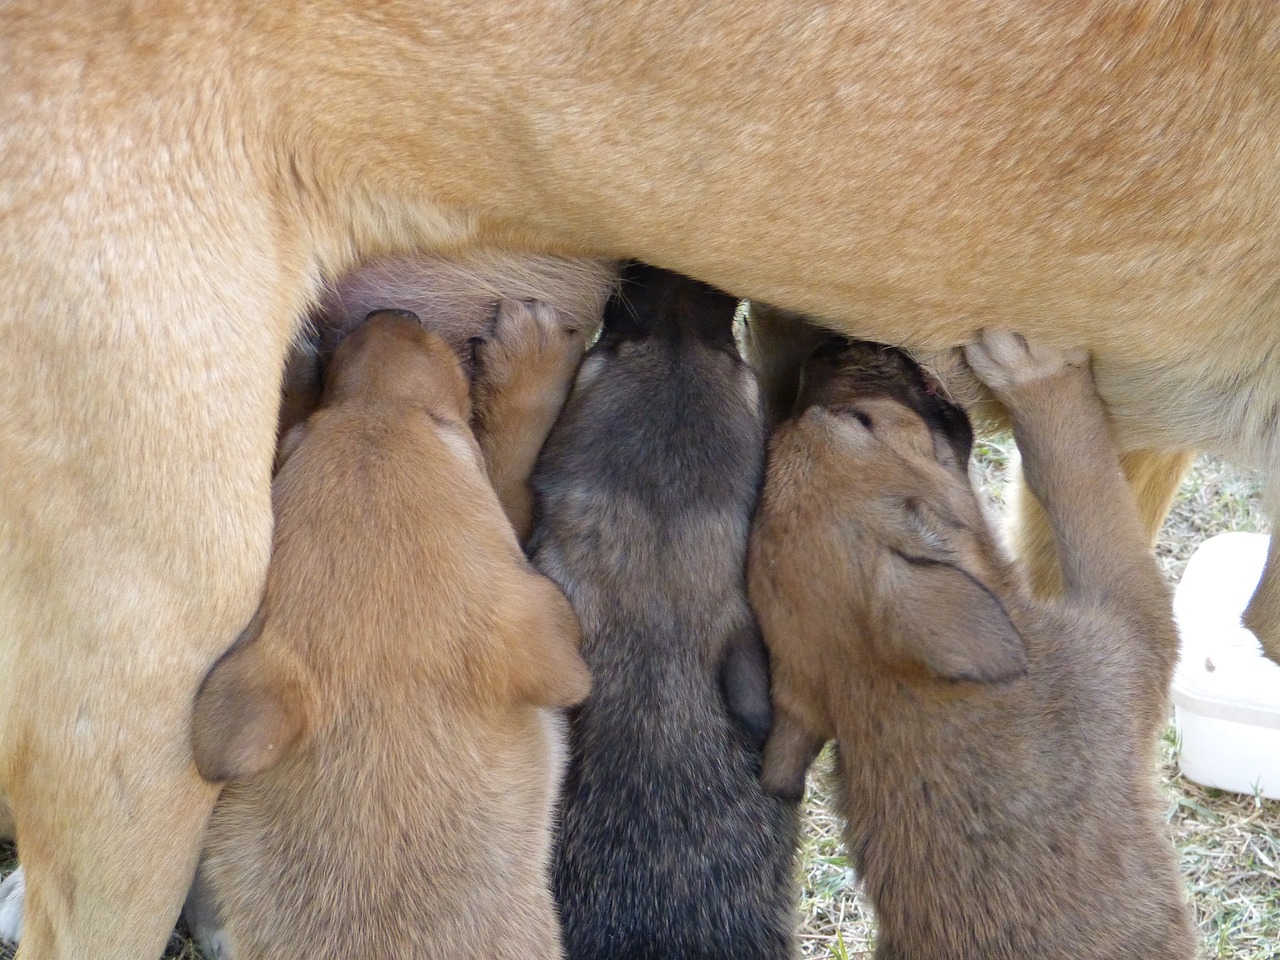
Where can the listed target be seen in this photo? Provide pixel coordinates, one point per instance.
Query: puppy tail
(251, 709)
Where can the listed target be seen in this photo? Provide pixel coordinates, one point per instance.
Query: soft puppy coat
(464, 300)
(994, 752)
(668, 847)
(176, 186)
(383, 718)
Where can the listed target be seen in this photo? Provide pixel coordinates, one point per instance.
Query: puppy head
(929, 583)
(656, 303)
(857, 377)
(393, 357)
(667, 346)
(660, 328)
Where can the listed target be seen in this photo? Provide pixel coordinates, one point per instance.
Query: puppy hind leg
(1154, 476)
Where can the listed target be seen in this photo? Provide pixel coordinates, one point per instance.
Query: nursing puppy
(778, 343)
(668, 846)
(383, 718)
(523, 321)
(464, 299)
(994, 751)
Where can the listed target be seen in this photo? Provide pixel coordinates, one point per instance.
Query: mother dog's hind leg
(135, 527)
(1262, 616)
(1154, 477)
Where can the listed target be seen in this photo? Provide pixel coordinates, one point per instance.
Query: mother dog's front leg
(135, 524)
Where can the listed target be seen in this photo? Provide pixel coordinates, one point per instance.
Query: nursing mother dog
(177, 181)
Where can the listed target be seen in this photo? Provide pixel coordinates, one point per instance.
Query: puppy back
(646, 488)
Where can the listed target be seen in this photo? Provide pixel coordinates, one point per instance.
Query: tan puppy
(175, 187)
(390, 687)
(995, 751)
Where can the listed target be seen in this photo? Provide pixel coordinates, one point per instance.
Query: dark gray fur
(669, 848)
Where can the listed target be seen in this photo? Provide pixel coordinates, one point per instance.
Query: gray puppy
(669, 848)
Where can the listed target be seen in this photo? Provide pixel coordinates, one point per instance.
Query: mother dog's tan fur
(176, 178)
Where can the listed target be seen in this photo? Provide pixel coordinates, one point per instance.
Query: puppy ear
(547, 669)
(744, 681)
(251, 709)
(942, 619)
(788, 754)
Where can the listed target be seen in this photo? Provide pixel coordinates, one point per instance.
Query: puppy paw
(1006, 362)
(532, 350)
(204, 921)
(13, 890)
(523, 374)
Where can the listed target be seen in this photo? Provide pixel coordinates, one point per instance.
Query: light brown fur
(526, 370)
(382, 713)
(779, 342)
(177, 183)
(994, 750)
(525, 320)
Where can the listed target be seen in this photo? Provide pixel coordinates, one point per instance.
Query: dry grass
(1229, 845)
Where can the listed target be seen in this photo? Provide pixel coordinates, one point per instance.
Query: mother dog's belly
(1166, 384)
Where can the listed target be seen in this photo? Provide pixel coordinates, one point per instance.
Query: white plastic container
(1226, 694)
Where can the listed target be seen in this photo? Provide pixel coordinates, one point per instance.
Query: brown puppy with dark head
(383, 718)
(994, 751)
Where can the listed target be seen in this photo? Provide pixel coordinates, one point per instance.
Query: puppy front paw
(532, 349)
(1007, 362)
(13, 891)
(203, 920)
(524, 370)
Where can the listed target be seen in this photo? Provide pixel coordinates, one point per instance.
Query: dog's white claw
(13, 890)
